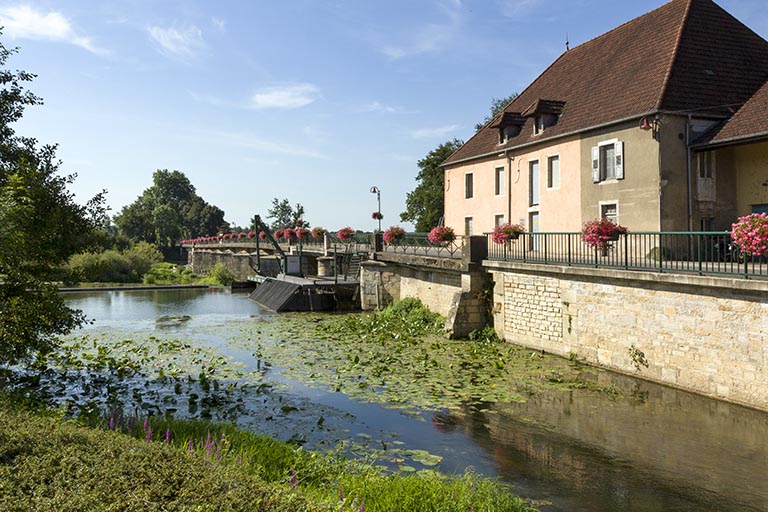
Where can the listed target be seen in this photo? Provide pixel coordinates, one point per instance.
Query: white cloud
(219, 23)
(517, 8)
(25, 22)
(377, 106)
(183, 43)
(430, 133)
(429, 37)
(285, 96)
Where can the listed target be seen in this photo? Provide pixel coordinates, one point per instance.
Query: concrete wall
(451, 288)
(751, 166)
(637, 194)
(704, 334)
(241, 263)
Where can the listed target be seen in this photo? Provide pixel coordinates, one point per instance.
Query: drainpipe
(688, 171)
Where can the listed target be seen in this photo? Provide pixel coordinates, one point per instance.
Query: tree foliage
(425, 205)
(286, 216)
(168, 211)
(41, 226)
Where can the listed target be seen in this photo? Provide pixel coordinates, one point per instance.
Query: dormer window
(509, 125)
(544, 113)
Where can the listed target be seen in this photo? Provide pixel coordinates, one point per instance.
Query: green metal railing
(699, 252)
(419, 244)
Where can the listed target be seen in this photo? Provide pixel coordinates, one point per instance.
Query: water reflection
(649, 449)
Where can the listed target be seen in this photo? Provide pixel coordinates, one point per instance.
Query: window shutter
(619, 152)
(595, 165)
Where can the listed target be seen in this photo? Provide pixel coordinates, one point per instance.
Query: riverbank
(47, 463)
(111, 287)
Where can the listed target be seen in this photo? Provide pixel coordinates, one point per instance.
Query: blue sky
(312, 100)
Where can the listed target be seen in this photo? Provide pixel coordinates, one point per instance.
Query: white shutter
(619, 152)
(595, 165)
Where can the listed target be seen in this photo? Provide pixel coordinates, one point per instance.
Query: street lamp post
(375, 190)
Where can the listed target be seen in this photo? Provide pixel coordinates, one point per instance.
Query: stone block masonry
(704, 334)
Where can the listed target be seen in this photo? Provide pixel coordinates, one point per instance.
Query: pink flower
(393, 235)
(505, 232)
(598, 232)
(302, 233)
(750, 234)
(441, 234)
(377, 216)
(318, 233)
(289, 234)
(345, 234)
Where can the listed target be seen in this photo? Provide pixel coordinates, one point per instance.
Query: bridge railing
(419, 244)
(699, 252)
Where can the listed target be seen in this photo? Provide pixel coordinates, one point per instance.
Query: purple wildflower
(168, 435)
(293, 480)
(149, 433)
(190, 446)
(112, 423)
(362, 506)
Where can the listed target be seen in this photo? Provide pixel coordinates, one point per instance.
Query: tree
(286, 216)
(41, 226)
(497, 105)
(425, 205)
(169, 210)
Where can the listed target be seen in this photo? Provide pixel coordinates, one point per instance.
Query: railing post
(698, 254)
(546, 255)
(661, 255)
(570, 259)
(626, 252)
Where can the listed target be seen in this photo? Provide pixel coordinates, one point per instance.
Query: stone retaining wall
(704, 334)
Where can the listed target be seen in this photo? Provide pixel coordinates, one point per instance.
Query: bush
(221, 275)
(113, 266)
(168, 273)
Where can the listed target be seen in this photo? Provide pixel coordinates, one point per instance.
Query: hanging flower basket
(318, 233)
(302, 233)
(345, 234)
(289, 234)
(750, 234)
(503, 233)
(278, 234)
(598, 232)
(377, 216)
(262, 235)
(394, 235)
(441, 235)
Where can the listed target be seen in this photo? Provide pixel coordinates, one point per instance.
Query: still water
(650, 448)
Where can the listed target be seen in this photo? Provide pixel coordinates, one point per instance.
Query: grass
(50, 464)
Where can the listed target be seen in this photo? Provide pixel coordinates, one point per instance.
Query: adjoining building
(660, 124)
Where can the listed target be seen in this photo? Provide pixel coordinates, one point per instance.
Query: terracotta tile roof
(684, 55)
(749, 122)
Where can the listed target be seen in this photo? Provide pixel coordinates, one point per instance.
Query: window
(498, 220)
(707, 224)
(610, 210)
(538, 124)
(706, 162)
(468, 226)
(469, 185)
(553, 172)
(608, 161)
(533, 183)
(499, 181)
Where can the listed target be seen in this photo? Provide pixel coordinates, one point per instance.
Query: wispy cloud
(219, 23)
(287, 96)
(429, 37)
(517, 8)
(184, 43)
(431, 133)
(257, 143)
(377, 106)
(26, 22)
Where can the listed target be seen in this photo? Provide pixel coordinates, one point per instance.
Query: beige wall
(558, 207)
(637, 194)
(708, 335)
(751, 169)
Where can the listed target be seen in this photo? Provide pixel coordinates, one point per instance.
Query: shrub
(221, 275)
(441, 234)
(750, 233)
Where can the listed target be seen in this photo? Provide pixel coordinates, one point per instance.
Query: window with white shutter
(608, 161)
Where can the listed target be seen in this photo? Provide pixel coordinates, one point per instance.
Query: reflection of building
(637, 124)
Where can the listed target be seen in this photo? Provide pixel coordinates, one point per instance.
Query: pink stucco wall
(559, 208)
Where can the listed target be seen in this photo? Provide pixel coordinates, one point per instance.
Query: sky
(315, 101)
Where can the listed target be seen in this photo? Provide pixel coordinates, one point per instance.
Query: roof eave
(731, 141)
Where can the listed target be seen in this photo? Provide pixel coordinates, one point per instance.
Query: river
(645, 448)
